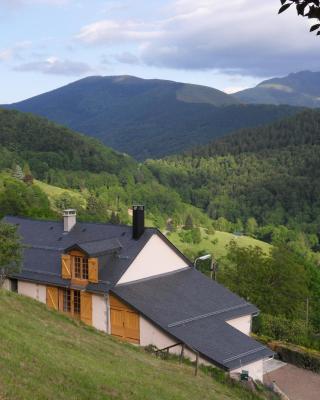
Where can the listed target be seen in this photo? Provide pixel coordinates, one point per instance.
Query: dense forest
(267, 176)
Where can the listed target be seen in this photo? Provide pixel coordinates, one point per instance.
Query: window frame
(79, 267)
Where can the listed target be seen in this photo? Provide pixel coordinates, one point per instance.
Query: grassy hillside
(45, 355)
(215, 243)
(148, 118)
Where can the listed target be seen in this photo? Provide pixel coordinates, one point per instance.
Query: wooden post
(182, 353)
(197, 364)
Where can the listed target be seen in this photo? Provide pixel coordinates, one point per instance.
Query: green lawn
(215, 243)
(45, 355)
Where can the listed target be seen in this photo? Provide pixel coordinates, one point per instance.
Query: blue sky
(229, 45)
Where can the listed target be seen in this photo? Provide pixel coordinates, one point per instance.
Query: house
(132, 283)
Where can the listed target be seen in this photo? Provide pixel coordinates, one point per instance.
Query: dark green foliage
(18, 198)
(269, 173)
(148, 118)
(276, 283)
(10, 251)
(305, 8)
(298, 356)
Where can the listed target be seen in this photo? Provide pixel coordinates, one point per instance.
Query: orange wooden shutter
(86, 308)
(117, 322)
(53, 297)
(132, 326)
(66, 266)
(93, 270)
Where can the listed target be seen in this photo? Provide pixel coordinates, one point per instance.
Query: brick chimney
(69, 219)
(137, 221)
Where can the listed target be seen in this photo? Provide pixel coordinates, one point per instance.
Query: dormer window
(78, 267)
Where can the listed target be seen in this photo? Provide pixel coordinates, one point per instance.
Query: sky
(229, 45)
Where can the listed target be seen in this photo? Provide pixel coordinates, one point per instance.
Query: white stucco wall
(155, 258)
(99, 313)
(255, 370)
(33, 290)
(7, 284)
(151, 334)
(243, 324)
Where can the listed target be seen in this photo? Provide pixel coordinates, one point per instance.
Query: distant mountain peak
(296, 89)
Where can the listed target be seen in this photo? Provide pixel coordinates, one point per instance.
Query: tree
(276, 283)
(189, 222)
(305, 8)
(17, 172)
(10, 251)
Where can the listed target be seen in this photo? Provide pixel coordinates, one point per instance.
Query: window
(80, 268)
(67, 300)
(71, 302)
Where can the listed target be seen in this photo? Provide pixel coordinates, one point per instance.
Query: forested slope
(269, 173)
(108, 181)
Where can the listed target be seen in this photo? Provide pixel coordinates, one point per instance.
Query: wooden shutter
(117, 322)
(66, 266)
(53, 297)
(132, 327)
(86, 308)
(93, 266)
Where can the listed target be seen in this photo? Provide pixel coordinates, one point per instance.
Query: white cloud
(55, 66)
(109, 31)
(238, 36)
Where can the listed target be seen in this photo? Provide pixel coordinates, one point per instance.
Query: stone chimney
(137, 221)
(69, 219)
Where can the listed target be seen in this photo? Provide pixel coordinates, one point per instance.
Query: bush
(297, 355)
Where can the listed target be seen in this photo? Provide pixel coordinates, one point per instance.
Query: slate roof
(45, 241)
(194, 310)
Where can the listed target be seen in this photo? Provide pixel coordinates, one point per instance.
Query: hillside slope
(269, 173)
(299, 89)
(105, 181)
(148, 118)
(45, 355)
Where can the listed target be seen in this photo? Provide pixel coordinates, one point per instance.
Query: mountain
(299, 89)
(148, 118)
(269, 173)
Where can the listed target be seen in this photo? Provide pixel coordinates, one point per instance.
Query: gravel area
(296, 383)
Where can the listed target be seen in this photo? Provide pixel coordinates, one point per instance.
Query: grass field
(54, 191)
(46, 355)
(216, 243)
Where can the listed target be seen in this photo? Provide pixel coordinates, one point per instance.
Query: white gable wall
(243, 324)
(155, 258)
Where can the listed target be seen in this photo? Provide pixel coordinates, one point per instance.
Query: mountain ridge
(148, 118)
(296, 89)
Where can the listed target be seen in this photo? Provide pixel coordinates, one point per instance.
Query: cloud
(19, 3)
(55, 66)
(14, 52)
(109, 31)
(238, 36)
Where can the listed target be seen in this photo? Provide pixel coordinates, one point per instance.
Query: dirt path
(296, 383)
